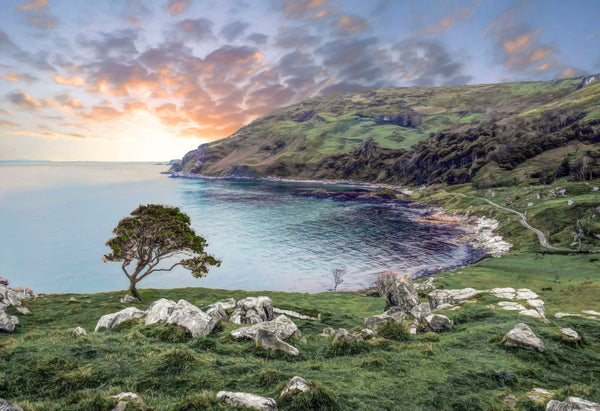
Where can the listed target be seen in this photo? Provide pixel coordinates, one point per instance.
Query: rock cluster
(572, 403)
(252, 310)
(12, 297)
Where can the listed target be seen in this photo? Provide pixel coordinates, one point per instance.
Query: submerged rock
(269, 340)
(242, 399)
(523, 337)
(114, 319)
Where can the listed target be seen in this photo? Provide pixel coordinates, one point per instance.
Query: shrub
(394, 331)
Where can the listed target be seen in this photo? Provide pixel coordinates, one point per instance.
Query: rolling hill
(494, 134)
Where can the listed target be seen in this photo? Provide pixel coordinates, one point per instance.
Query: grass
(46, 367)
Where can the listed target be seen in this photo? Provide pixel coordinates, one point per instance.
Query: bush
(394, 331)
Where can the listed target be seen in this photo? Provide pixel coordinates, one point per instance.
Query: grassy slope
(45, 367)
(300, 136)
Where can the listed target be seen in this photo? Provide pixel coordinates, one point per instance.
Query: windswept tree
(337, 275)
(155, 238)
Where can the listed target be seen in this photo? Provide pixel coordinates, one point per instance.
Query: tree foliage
(151, 236)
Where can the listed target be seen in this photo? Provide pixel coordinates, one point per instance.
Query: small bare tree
(385, 282)
(337, 274)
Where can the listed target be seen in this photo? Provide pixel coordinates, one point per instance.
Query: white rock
(294, 314)
(159, 310)
(531, 313)
(413, 331)
(438, 297)
(125, 396)
(569, 202)
(7, 322)
(561, 315)
(539, 306)
(389, 316)
(79, 331)
(10, 297)
(506, 292)
(446, 306)
(281, 326)
(127, 299)
(226, 305)
(522, 336)
(438, 322)
(114, 319)
(270, 341)
(294, 386)
(217, 312)
(192, 318)
(23, 310)
(571, 333)
(526, 294)
(242, 399)
(7, 406)
(541, 391)
(252, 310)
(572, 403)
(590, 312)
(511, 306)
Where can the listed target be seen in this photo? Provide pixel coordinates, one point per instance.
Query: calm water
(56, 217)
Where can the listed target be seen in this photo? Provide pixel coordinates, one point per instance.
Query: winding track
(523, 219)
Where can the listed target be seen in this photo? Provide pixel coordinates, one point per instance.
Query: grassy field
(46, 367)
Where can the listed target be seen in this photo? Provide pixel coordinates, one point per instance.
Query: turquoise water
(56, 217)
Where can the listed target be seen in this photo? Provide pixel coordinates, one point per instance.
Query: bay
(56, 217)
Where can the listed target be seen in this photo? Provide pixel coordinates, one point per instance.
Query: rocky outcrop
(7, 406)
(252, 310)
(282, 327)
(484, 237)
(523, 337)
(192, 318)
(403, 295)
(452, 297)
(159, 311)
(296, 385)
(393, 314)
(242, 399)
(295, 314)
(10, 297)
(269, 340)
(344, 335)
(572, 404)
(217, 312)
(438, 322)
(114, 319)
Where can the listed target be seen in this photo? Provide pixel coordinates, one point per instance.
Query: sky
(149, 80)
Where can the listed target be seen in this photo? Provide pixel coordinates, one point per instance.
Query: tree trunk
(133, 290)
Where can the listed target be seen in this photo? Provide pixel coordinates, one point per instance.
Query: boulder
(453, 297)
(7, 322)
(526, 294)
(23, 310)
(281, 326)
(511, 306)
(572, 403)
(421, 311)
(217, 312)
(269, 340)
(507, 292)
(392, 315)
(114, 319)
(242, 399)
(365, 332)
(295, 386)
(438, 322)
(124, 396)
(127, 299)
(226, 305)
(523, 337)
(328, 332)
(7, 406)
(403, 294)
(79, 331)
(159, 311)
(571, 334)
(192, 318)
(10, 297)
(295, 314)
(252, 310)
(344, 335)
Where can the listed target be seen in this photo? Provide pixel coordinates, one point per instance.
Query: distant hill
(491, 134)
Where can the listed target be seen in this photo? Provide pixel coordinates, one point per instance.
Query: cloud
(4, 123)
(428, 63)
(16, 77)
(41, 19)
(117, 44)
(234, 29)
(54, 135)
(198, 29)
(177, 7)
(446, 22)
(258, 38)
(73, 81)
(357, 60)
(34, 4)
(293, 9)
(296, 38)
(517, 45)
(349, 24)
(24, 100)
(572, 72)
(66, 102)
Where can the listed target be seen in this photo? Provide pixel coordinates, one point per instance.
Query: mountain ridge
(418, 135)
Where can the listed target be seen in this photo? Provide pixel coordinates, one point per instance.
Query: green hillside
(421, 135)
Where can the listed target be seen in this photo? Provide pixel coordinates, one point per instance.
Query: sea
(55, 219)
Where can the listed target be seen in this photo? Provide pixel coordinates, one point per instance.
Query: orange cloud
(54, 135)
(4, 123)
(24, 100)
(350, 23)
(540, 53)
(15, 77)
(297, 8)
(321, 14)
(73, 81)
(177, 7)
(568, 72)
(447, 22)
(34, 4)
(516, 44)
(543, 67)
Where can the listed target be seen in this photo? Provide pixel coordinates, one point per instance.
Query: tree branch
(149, 271)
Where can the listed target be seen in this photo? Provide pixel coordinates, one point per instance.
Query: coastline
(479, 232)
